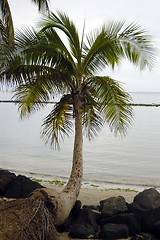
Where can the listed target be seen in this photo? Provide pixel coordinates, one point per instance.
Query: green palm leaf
(58, 123)
(92, 117)
(114, 102)
(39, 87)
(137, 46)
(92, 120)
(63, 23)
(7, 30)
(6, 22)
(107, 47)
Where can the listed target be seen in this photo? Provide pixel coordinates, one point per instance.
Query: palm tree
(6, 23)
(43, 65)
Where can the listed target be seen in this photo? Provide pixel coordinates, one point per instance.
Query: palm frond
(137, 46)
(45, 49)
(103, 48)
(7, 23)
(63, 23)
(113, 42)
(3, 34)
(92, 117)
(31, 97)
(58, 123)
(36, 88)
(35, 56)
(114, 102)
(15, 70)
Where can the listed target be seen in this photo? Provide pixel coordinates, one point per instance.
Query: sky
(96, 13)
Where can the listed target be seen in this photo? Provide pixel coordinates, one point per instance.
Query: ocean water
(134, 159)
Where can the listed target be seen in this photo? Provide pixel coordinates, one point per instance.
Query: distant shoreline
(131, 104)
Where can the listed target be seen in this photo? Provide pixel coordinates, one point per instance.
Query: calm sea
(134, 159)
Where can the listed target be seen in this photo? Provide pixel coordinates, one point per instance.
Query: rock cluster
(114, 218)
(12, 186)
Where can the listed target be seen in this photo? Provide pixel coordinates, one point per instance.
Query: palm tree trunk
(64, 201)
(74, 183)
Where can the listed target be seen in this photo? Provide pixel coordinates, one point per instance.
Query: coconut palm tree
(47, 64)
(6, 23)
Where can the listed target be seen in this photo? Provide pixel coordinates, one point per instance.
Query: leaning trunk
(74, 184)
(64, 201)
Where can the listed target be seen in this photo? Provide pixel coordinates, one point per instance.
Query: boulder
(111, 231)
(21, 187)
(147, 205)
(133, 222)
(113, 205)
(150, 220)
(6, 178)
(86, 217)
(65, 227)
(136, 208)
(82, 231)
(149, 198)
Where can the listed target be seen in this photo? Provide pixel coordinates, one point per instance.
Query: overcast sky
(97, 12)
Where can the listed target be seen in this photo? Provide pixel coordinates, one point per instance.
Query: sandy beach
(92, 195)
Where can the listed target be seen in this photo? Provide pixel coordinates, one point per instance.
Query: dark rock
(6, 178)
(111, 231)
(65, 227)
(88, 217)
(136, 208)
(156, 229)
(113, 205)
(147, 205)
(76, 207)
(150, 219)
(149, 198)
(96, 208)
(133, 221)
(21, 187)
(82, 231)
(109, 212)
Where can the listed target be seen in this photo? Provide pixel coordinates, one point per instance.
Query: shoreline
(58, 181)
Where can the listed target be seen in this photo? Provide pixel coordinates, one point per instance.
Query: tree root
(28, 218)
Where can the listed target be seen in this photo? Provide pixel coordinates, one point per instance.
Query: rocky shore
(114, 218)
(108, 215)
